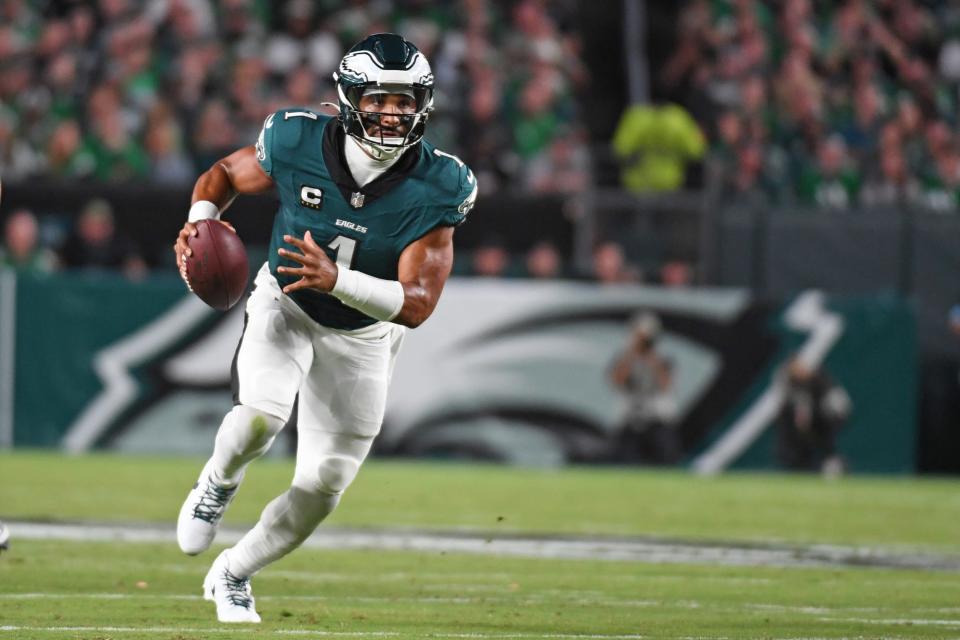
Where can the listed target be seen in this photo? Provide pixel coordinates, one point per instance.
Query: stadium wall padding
(876, 362)
(780, 252)
(513, 371)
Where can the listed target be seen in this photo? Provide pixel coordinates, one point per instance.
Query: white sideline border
(320, 633)
(649, 551)
(825, 614)
(384, 634)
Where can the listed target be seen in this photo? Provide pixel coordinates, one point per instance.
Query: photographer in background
(644, 376)
(815, 409)
(953, 322)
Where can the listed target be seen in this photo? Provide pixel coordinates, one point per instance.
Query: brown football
(218, 270)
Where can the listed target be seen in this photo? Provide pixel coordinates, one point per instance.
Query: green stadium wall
(512, 371)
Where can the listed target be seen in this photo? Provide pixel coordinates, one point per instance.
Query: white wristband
(380, 299)
(203, 210)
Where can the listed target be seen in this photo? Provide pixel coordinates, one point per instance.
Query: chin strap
(377, 152)
(371, 148)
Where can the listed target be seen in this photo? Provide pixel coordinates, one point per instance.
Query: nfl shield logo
(356, 200)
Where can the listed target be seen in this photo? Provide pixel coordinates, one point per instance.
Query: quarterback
(361, 248)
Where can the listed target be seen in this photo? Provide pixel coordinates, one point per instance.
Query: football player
(361, 247)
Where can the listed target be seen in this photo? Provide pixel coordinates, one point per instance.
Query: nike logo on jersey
(351, 225)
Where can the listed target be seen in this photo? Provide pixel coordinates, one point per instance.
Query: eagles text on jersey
(362, 228)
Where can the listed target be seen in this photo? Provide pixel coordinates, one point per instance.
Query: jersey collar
(334, 139)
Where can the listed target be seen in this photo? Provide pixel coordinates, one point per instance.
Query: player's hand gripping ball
(218, 270)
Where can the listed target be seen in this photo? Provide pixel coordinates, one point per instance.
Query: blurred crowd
(119, 90)
(96, 243)
(831, 104)
(609, 264)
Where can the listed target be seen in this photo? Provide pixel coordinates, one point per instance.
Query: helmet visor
(385, 121)
(389, 129)
(421, 96)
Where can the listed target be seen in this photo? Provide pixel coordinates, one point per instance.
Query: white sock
(326, 465)
(285, 523)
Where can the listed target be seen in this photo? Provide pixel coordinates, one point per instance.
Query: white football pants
(342, 378)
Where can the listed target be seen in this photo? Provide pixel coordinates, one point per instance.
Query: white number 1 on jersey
(344, 247)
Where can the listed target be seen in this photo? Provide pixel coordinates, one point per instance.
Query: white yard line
(502, 599)
(900, 621)
(205, 631)
(823, 614)
(568, 548)
(575, 636)
(370, 634)
(317, 633)
(477, 581)
(491, 580)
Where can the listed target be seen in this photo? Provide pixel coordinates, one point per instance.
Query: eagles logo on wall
(513, 371)
(506, 371)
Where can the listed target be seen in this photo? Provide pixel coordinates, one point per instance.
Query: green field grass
(57, 589)
(875, 511)
(151, 591)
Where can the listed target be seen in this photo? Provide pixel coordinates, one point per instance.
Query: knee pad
(334, 474)
(248, 432)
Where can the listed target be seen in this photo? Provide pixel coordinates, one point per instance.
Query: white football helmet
(384, 63)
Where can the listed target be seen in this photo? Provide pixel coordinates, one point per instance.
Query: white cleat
(201, 513)
(232, 594)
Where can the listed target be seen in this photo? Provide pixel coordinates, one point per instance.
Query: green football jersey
(361, 228)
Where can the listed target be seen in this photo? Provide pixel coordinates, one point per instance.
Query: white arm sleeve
(378, 298)
(203, 210)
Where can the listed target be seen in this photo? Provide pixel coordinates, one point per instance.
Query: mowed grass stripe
(308, 632)
(536, 599)
(680, 604)
(369, 634)
(378, 634)
(913, 513)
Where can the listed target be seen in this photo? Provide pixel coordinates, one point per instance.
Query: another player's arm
(215, 189)
(422, 271)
